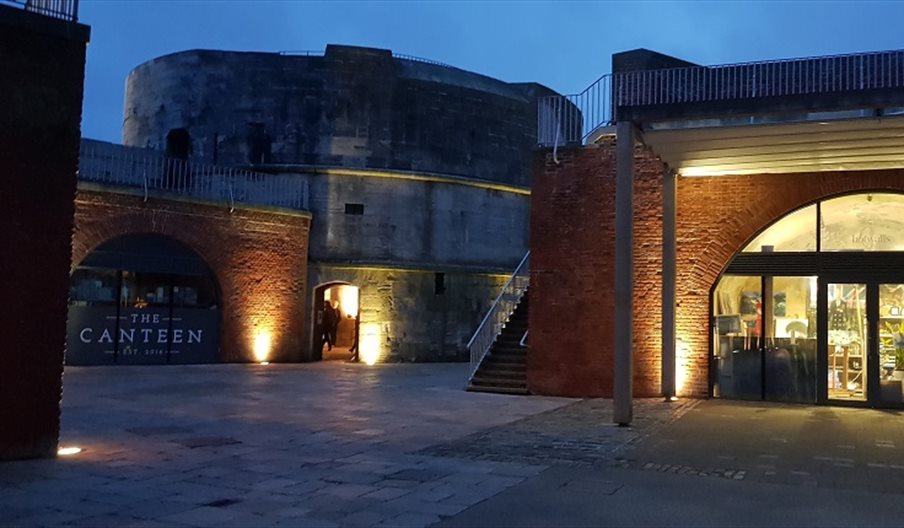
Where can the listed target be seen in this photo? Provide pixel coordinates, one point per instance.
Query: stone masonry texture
(41, 89)
(413, 322)
(572, 254)
(352, 107)
(258, 258)
(413, 169)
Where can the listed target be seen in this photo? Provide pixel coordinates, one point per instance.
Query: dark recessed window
(178, 143)
(439, 283)
(354, 209)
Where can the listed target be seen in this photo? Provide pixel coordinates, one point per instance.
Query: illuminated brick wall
(41, 92)
(717, 217)
(258, 257)
(572, 261)
(573, 273)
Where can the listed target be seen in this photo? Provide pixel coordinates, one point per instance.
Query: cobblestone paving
(804, 445)
(284, 445)
(579, 434)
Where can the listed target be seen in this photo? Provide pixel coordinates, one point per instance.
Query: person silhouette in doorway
(328, 323)
(354, 348)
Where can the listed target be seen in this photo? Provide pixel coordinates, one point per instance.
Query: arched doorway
(339, 303)
(812, 309)
(142, 299)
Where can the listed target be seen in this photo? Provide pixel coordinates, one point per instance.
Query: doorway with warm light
(335, 310)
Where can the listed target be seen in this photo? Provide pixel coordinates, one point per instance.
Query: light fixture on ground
(69, 451)
(370, 343)
(262, 343)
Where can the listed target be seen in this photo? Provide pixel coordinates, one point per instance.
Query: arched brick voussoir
(258, 258)
(717, 217)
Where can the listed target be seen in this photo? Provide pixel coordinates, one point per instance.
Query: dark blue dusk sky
(564, 45)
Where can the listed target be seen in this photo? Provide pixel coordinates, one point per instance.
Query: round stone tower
(418, 172)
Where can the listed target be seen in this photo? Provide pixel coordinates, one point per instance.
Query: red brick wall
(717, 217)
(572, 261)
(573, 274)
(259, 259)
(41, 94)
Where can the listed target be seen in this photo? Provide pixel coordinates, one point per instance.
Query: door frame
(873, 367)
(318, 294)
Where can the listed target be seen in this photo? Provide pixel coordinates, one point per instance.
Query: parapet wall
(353, 107)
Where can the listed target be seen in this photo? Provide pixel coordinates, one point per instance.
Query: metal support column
(669, 256)
(622, 387)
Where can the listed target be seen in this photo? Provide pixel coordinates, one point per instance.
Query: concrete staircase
(504, 369)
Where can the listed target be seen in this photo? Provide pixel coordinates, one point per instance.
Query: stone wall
(258, 257)
(572, 261)
(405, 222)
(402, 306)
(353, 107)
(41, 89)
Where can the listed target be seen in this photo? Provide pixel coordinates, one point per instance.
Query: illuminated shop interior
(812, 310)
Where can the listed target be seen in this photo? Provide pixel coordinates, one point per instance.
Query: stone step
(497, 390)
(508, 349)
(491, 373)
(504, 369)
(510, 340)
(508, 367)
(505, 355)
(498, 382)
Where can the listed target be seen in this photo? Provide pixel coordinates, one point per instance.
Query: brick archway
(572, 257)
(717, 217)
(258, 259)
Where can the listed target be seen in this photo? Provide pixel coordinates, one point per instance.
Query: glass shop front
(812, 310)
(142, 299)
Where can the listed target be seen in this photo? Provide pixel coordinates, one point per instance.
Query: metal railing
(573, 118)
(499, 313)
(787, 77)
(62, 9)
(563, 119)
(304, 53)
(412, 58)
(402, 56)
(117, 165)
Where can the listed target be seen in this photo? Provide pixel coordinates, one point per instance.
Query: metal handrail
(62, 9)
(402, 56)
(574, 118)
(117, 165)
(420, 59)
(563, 119)
(498, 314)
(785, 77)
(523, 342)
(304, 53)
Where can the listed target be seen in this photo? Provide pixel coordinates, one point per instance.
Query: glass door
(891, 344)
(847, 349)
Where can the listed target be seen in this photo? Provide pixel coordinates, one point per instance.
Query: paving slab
(211, 445)
(403, 445)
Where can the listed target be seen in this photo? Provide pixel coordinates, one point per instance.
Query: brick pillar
(43, 62)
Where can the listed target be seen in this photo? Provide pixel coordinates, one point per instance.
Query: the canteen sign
(103, 335)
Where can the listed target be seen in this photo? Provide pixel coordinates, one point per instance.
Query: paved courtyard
(249, 445)
(338, 444)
